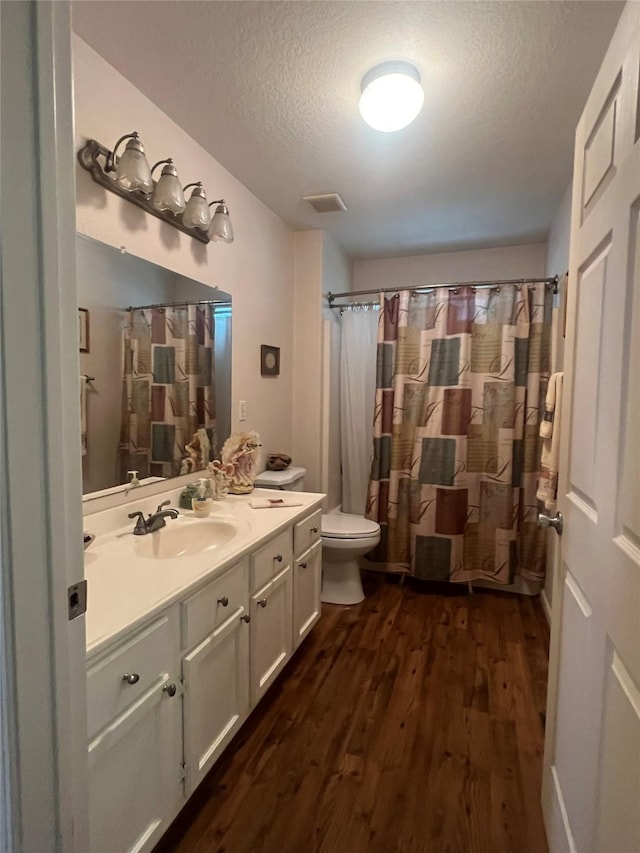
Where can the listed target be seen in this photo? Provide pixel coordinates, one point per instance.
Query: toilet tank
(289, 480)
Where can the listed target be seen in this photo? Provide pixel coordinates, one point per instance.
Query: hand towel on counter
(267, 503)
(550, 433)
(83, 413)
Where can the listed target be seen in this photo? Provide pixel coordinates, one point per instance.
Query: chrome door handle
(303, 565)
(246, 618)
(224, 601)
(278, 558)
(170, 689)
(314, 529)
(131, 678)
(554, 521)
(262, 602)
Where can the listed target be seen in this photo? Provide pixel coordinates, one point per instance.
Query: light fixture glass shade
(391, 96)
(196, 213)
(221, 228)
(132, 171)
(168, 193)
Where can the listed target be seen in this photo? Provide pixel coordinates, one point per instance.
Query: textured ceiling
(271, 90)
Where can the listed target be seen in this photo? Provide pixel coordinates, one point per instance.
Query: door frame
(40, 463)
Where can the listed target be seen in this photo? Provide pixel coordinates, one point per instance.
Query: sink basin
(186, 538)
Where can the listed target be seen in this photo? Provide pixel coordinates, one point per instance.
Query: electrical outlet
(242, 410)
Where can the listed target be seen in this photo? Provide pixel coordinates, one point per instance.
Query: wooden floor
(411, 722)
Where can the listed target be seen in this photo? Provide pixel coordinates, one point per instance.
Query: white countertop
(125, 590)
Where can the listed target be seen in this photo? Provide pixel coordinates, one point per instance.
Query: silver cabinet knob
(278, 558)
(224, 601)
(246, 618)
(555, 521)
(131, 678)
(303, 565)
(262, 602)
(170, 689)
(314, 529)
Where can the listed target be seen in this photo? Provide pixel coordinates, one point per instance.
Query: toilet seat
(341, 525)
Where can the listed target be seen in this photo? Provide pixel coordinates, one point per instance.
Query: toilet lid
(340, 525)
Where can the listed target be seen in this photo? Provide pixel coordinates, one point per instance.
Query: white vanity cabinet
(307, 581)
(166, 697)
(135, 739)
(214, 672)
(307, 575)
(271, 612)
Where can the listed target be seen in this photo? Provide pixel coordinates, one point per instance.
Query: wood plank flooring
(411, 723)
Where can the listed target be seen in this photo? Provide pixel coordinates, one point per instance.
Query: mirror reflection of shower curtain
(168, 387)
(357, 400)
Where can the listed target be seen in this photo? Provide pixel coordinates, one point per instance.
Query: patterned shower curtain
(461, 378)
(167, 388)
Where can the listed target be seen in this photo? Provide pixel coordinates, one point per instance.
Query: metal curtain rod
(354, 294)
(179, 304)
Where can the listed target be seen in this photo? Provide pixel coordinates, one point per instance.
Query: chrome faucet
(155, 520)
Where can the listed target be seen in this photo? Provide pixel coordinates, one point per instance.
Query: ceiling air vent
(326, 203)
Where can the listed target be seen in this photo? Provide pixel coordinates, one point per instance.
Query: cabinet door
(271, 629)
(307, 578)
(216, 699)
(135, 773)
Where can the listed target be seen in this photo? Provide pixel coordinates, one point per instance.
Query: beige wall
(257, 269)
(336, 277)
(474, 265)
(307, 356)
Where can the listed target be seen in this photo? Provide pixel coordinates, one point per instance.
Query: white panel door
(591, 786)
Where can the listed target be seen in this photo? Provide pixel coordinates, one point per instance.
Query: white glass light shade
(391, 96)
(132, 171)
(196, 213)
(168, 193)
(221, 229)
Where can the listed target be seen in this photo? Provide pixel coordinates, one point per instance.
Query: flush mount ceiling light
(391, 96)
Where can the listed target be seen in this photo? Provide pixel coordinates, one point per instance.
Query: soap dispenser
(201, 504)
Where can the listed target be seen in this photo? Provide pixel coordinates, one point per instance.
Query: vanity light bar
(163, 198)
(89, 158)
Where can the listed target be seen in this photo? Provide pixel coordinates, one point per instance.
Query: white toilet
(345, 538)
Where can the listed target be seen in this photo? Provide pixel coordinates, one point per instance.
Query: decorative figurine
(241, 451)
(222, 473)
(198, 451)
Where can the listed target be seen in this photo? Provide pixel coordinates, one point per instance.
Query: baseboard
(546, 605)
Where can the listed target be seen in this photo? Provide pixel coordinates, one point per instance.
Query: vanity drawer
(145, 657)
(270, 559)
(306, 532)
(209, 607)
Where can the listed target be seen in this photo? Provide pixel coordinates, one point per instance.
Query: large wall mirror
(156, 350)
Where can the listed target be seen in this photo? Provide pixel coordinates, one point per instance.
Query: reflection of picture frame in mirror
(83, 329)
(269, 360)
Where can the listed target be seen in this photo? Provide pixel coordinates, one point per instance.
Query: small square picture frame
(269, 360)
(83, 329)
